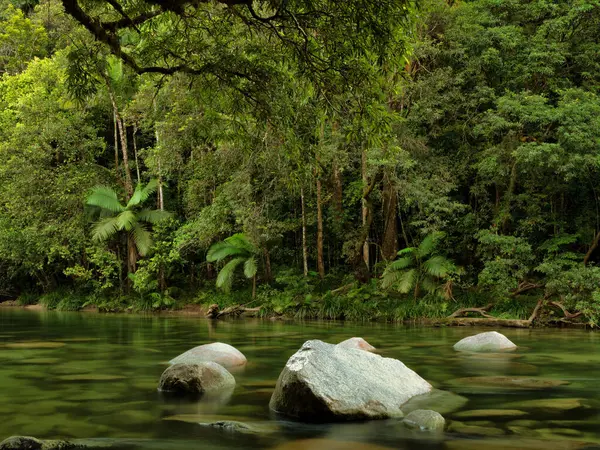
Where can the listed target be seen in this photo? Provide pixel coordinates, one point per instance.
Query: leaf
(221, 250)
(429, 243)
(250, 267)
(406, 250)
(141, 194)
(225, 277)
(142, 238)
(153, 215)
(104, 229)
(241, 241)
(400, 264)
(407, 281)
(126, 220)
(105, 198)
(439, 266)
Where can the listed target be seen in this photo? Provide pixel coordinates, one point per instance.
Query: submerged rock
(236, 427)
(218, 352)
(489, 413)
(491, 341)
(508, 382)
(425, 420)
(325, 382)
(357, 343)
(31, 443)
(203, 378)
(443, 402)
(476, 430)
(553, 405)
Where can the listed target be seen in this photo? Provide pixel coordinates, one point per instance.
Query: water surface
(90, 376)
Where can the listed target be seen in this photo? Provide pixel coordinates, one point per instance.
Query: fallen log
(237, 310)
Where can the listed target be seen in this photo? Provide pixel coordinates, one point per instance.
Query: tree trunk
(116, 148)
(365, 210)
(131, 255)
(320, 262)
(254, 286)
(304, 244)
(123, 135)
(268, 273)
(135, 153)
(389, 246)
(593, 247)
(337, 192)
(161, 202)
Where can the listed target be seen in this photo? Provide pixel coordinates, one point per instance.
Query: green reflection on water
(82, 376)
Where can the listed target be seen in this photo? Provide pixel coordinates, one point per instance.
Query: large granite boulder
(358, 343)
(218, 352)
(325, 382)
(203, 378)
(491, 341)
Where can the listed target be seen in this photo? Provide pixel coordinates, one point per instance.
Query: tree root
(488, 320)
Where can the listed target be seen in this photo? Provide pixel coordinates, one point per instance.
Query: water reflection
(85, 376)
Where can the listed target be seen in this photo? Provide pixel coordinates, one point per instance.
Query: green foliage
(115, 217)
(241, 251)
(421, 267)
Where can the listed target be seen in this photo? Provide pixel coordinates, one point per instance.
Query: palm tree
(421, 268)
(115, 217)
(241, 250)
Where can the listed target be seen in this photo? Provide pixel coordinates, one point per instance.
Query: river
(92, 376)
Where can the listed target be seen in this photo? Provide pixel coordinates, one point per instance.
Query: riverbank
(468, 309)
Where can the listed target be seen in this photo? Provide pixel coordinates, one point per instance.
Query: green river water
(90, 376)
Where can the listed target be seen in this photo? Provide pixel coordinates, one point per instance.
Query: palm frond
(431, 285)
(104, 229)
(221, 250)
(153, 215)
(389, 278)
(141, 193)
(399, 264)
(126, 220)
(240, 240)
(225, 277)
(142, 239)
(250, 267)
(105, 198)
(406, 250)
(429, 244)
(439, 266)
(407, 281)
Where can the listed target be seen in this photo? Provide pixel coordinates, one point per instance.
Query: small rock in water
(358, 343)
(426, 420)
(218, 352)
(490, 341)
(31, 443)
(207, 377)
(325, 382)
